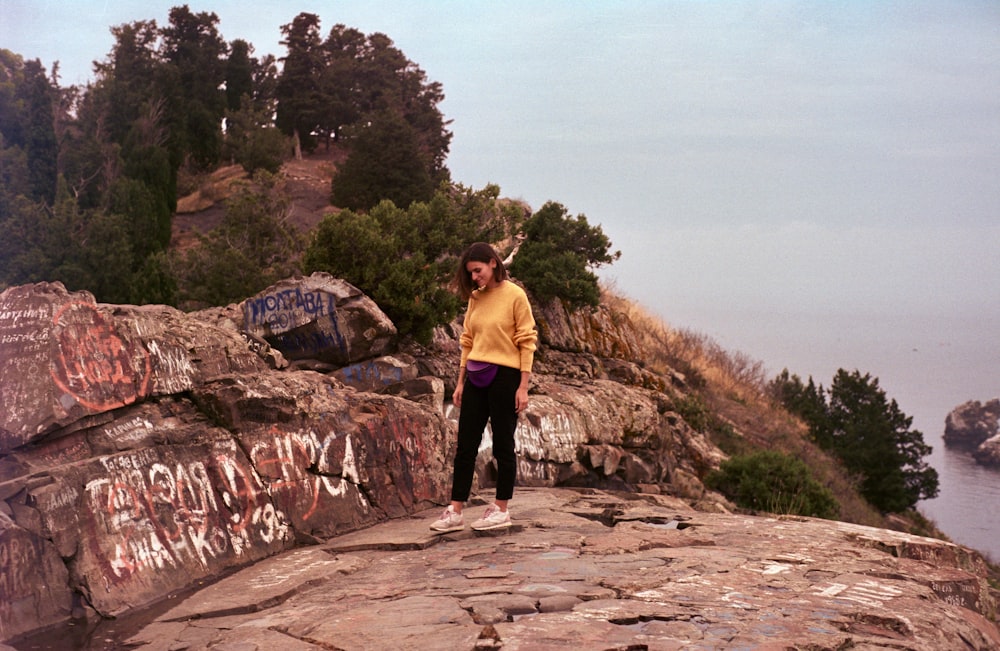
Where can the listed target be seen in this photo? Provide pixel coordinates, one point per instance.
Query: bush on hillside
(557, 256)
(774, 482)
(402, 259)
(252, 248)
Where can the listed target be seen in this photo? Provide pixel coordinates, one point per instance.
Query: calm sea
(929, 364)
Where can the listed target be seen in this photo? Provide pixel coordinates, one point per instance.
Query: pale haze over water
(814, 184)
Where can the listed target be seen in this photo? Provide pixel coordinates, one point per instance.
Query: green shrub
(252, 248)
(386, 254)
(773, 482)
(558, 253)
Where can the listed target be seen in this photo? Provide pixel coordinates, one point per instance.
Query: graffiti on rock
(959, 593)
(286, 313)
(551, 435)
(372, 373)
(868, 593)
(32, 581)
(174, 371)
(288, 309)
(296, 468)
(130, 431)
(93, 364)
(159, 512)
(297, 344)
(401, 451)
(17, 561)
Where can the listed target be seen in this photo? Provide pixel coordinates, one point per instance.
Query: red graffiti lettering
(93, 364)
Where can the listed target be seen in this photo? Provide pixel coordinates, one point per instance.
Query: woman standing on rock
(498, 348)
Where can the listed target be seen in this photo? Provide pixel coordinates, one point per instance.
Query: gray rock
(972, 423)
(319, 317)
(570, 582)
(153, 449)
(975, 426)
(378, 374)
(988, 452)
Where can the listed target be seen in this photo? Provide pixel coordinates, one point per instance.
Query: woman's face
(482, 273)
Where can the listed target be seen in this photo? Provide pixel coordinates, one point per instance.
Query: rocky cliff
(144, 450)
(595, 570)
(974, 426)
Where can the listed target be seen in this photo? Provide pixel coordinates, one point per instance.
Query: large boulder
(143, 449)
(603, 434)
(988, 453)
(319, 317)
(598, 331)
(64, 358)
(975, 426)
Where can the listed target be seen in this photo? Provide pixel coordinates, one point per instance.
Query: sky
(743, 155)
(813, 184)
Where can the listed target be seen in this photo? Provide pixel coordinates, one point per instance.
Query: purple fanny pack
(480, 374)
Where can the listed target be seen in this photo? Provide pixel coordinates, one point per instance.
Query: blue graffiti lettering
(370, 373)
(280, 309)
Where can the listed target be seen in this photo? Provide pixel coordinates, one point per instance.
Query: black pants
(495, 404)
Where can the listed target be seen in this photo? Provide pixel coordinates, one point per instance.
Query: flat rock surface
(584, 569)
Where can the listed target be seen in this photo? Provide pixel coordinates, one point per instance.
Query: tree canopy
(28, 145)
(405, 258)
(558, 254)
(868, 432)
(91, 176)
(384, 164)
(171, 103)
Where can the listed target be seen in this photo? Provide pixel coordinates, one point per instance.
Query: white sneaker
(449, 521)
(493, 518)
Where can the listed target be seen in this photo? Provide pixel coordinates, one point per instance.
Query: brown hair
(478, 252)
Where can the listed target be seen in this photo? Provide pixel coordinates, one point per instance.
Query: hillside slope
(306, 181)
(727, 403)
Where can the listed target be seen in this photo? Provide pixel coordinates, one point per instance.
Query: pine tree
(384, 163)
(194, 54)
(299, 100)
(239, 74)
(868, 432)
(872, 436)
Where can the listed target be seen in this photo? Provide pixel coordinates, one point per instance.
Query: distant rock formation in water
(974, 426)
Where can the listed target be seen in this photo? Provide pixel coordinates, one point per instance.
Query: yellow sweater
(500, 328)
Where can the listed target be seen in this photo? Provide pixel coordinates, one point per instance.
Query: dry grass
(692, 353)
(728, 399)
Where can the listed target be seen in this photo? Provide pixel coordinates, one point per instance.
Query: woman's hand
(456, 397)
(521, 399)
